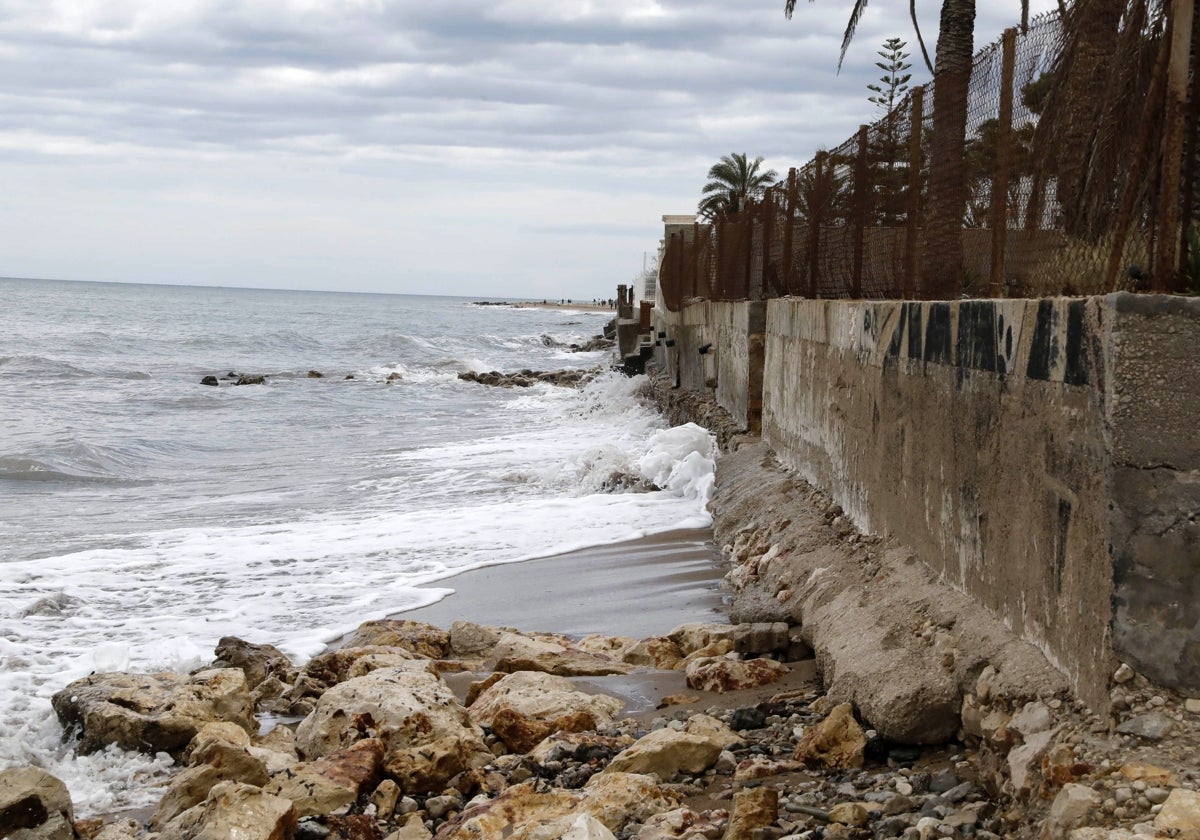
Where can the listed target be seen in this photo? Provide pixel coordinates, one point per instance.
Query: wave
(79, 463)
(43, 367)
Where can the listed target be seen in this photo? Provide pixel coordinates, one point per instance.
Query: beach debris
(152, 712)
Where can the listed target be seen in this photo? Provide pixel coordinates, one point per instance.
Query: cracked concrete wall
(733, 365)
(992, 437)
(1153, 400)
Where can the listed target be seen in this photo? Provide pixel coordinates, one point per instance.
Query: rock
(245, 379)
(849, 813)
(152, 712)
(761, 767)
(1180, 815)
(1071, 808)
(515, 652)
(522, 733)
(191, 786)
(723, 675)
(385, 798)
(694, 636)
(1153, 726)
(469, 640)
(426, 732)
(120, 830)
(212, 737)
(655, 652)
(541, 696)
(322, 786)
(752, 809)
(210, 380)
(1148, 773)
(587, 827)
(666, 753)
(836, 743)
(713, 650)
(683, 822)
(512, 814)
(414, 829)
(1025, 759)
(1192, 705)
(1033, 718)
(256, 661)
(748, 718)
(414, 636)
(583, 747)
(315, 374)
(618, 798)
(1123, 674)
(235, 810)
(33, 800)
(712, 730)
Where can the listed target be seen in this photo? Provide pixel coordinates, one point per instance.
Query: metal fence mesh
(1072, 171)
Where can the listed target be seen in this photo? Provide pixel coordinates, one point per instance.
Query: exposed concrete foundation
(1041, 456)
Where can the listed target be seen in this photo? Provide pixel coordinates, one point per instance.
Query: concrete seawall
(1039, 455)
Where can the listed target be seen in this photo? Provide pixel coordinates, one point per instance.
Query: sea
(144, 515)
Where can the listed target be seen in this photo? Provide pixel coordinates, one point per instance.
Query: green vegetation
(732, 182)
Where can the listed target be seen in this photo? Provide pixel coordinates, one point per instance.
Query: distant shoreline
(549, 304)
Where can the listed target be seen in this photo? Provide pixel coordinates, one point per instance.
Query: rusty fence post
(860, 213)
(998, 217)
(913, 209)
(1166, 261)
(789, 230)
(815, 215)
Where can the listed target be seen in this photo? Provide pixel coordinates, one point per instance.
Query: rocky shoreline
(851, 696)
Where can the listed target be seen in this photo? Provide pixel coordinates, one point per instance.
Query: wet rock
(666, 753)
(414, 636)
(752, 809)
(210, 380)
(245, 379)
(324, 785)
(236, 810)
(256, 661)
(836, 743)
(542, 696)
(515, 652)
(35, 804)
(315, 374)
(721, 675)
(152, 712)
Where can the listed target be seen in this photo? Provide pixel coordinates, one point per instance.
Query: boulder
(683, 822)
(330, 668)
(655, 652)
(1071, 809)
(469, 640)
(250, 379)
(712, 650)
(215, 736)
(522, 733)
(542, 696)
(431, 765)
(723, 675)
(747, 638)
(578, 746)
(712, 730)
(515, 652)
(33, 800)
(836, 743)
(152, 712)
(752, 809)
(405, 709)
(417, 637)
(587, 827)
(1180, 815)
(210, 380)
(236, 810)
(322, 786)
(191, 786)
(619, 798)
(666, 753)
(256, 661)
(1024, 762)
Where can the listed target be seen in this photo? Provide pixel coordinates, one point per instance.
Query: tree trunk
(947, 172)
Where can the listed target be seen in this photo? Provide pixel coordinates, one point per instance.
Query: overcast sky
(514, 148)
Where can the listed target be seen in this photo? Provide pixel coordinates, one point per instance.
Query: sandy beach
(639, 588)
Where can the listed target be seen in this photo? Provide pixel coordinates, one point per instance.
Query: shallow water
(143, 515)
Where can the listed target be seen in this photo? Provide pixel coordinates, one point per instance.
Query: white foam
(161, 599)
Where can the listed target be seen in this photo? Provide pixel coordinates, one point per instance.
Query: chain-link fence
(1065, 164)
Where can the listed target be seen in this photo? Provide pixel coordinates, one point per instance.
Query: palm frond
(856, 14)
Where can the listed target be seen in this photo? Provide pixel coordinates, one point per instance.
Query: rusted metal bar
(912, 236)
(1166, 262)
(789, 230)
(1141, 153)
(1004, 154)
(860, 213)
(816, 214)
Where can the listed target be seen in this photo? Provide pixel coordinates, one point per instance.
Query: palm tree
(856, 14)
(732, 182)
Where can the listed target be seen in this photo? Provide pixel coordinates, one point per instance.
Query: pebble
(1123, 674)
(1192, 704)
(1157, 795)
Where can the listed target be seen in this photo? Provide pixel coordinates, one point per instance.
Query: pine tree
(894, 83)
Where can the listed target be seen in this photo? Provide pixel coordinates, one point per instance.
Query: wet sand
(640, 588)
